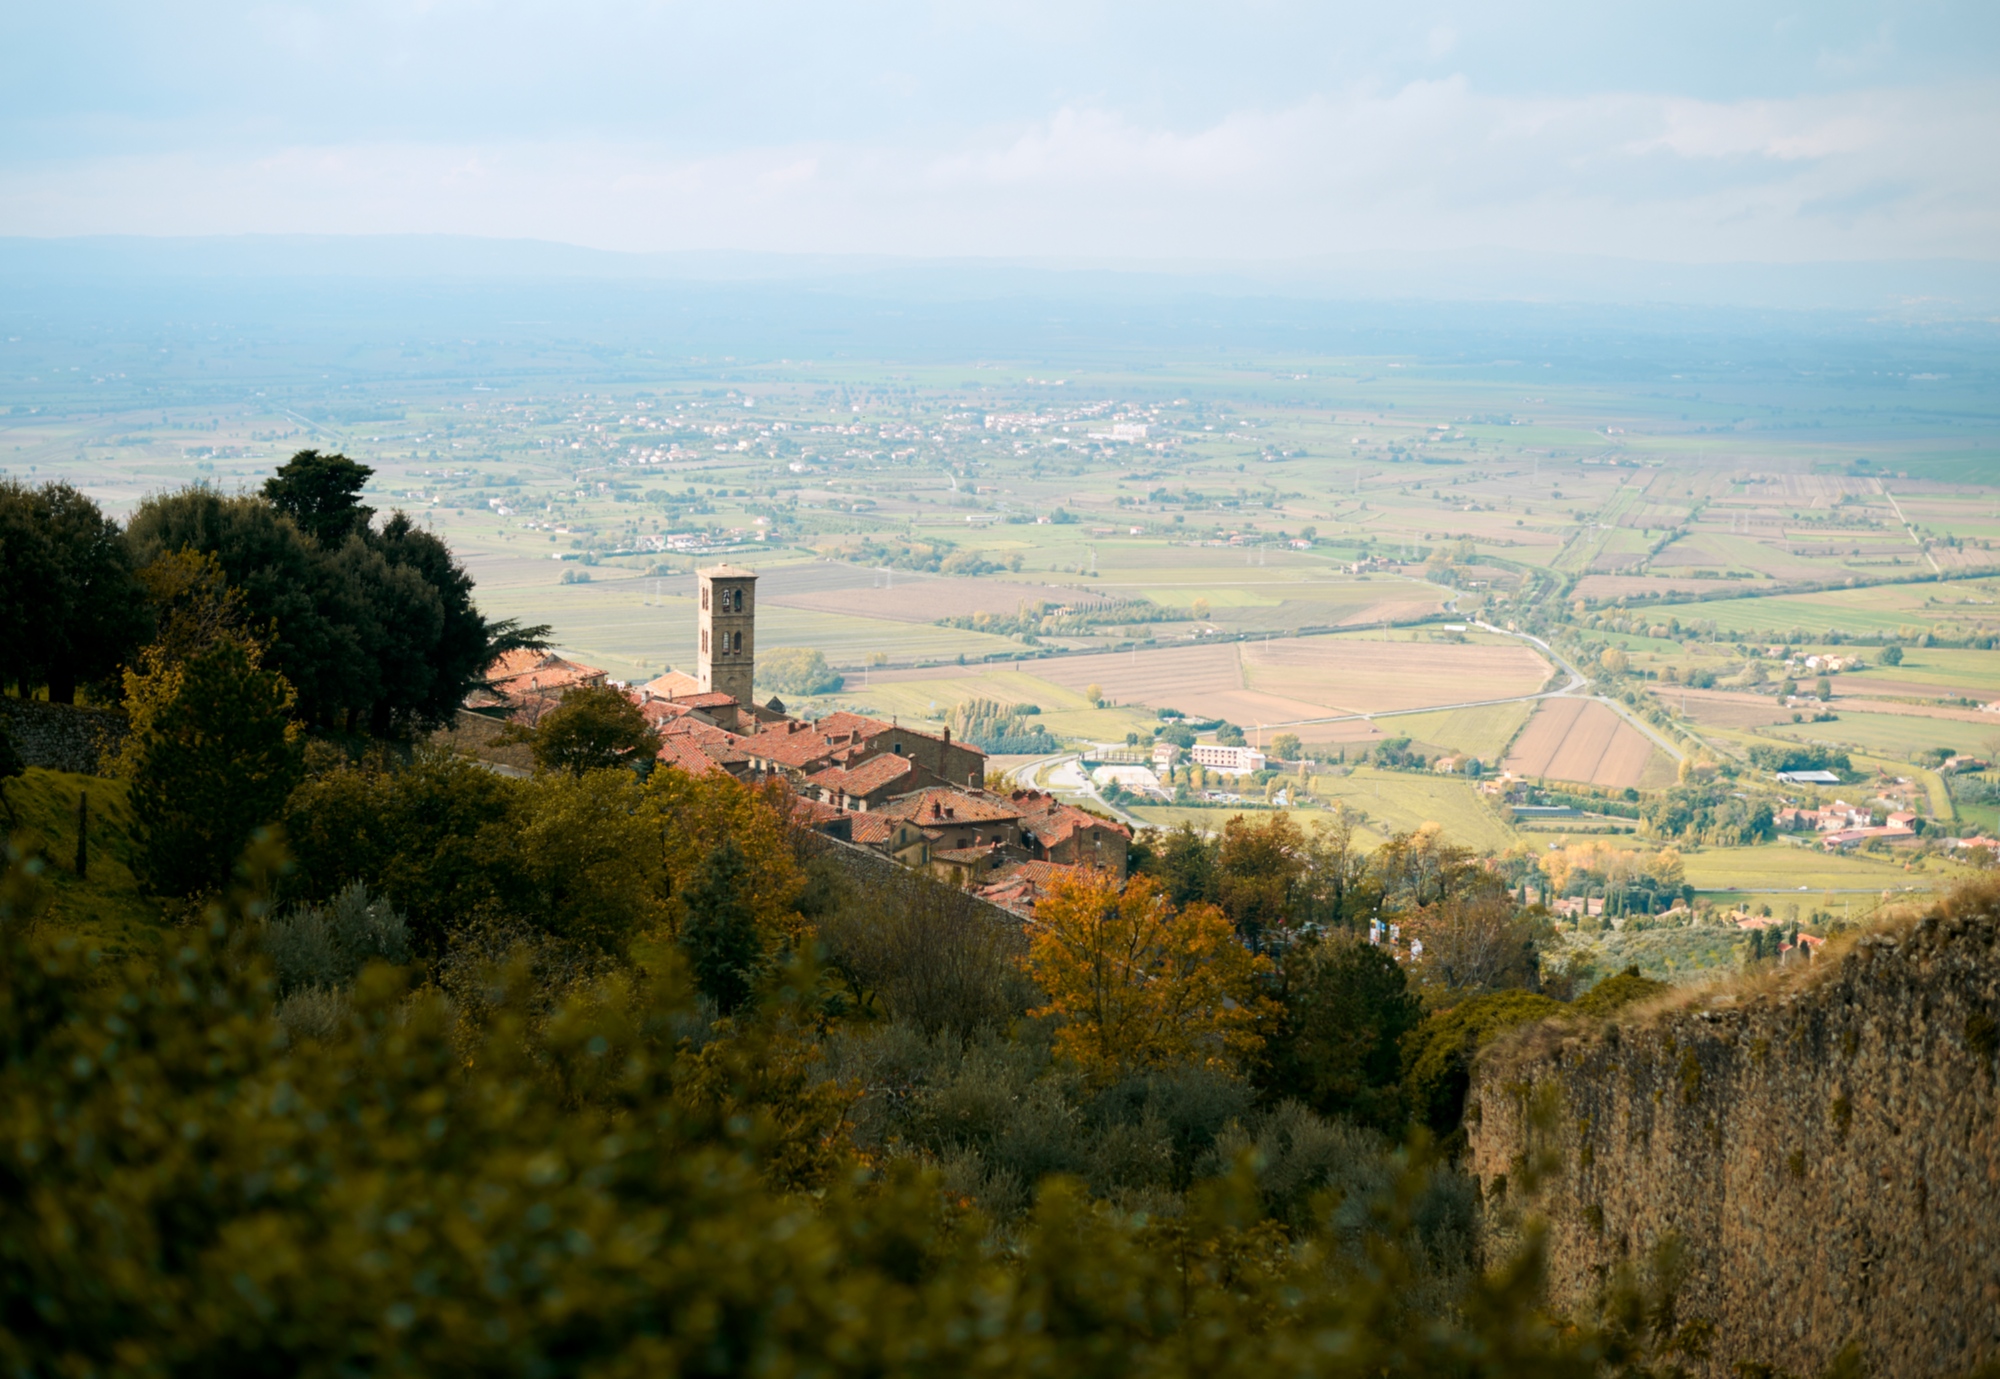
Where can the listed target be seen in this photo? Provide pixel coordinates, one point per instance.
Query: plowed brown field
(1581, 740)
(1285, 680)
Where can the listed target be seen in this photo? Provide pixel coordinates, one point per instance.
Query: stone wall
(1824, 1147)
(63, 737)
(875, 871)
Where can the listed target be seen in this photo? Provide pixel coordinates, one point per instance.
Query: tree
(437, 836)
(376, 632)
(1438, 1054)
(594, 727)
(1614, 661)
(1095, 694)
(1134, 983)
(1337, 1043)
(1184, 861)
(1891, 656)
(1473, 942)
(719, 931)
(797, 670)
(1257, 868)
(1285, 747)
(322, 495)
(691, 816)
(71, 610)
(595, 1191)
(212, 756)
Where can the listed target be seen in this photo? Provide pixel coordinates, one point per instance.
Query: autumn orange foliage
(1135, 983)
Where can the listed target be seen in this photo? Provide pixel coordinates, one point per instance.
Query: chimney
(947, 734)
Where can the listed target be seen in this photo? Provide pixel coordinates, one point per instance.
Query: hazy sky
(1679, 129)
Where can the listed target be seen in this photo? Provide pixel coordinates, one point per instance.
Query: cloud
(1425, 164)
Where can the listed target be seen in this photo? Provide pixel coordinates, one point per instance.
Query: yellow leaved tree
(1135, 983)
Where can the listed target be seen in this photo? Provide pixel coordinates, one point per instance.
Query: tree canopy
(322, 495)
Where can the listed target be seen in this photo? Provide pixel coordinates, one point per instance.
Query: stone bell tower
(728, 623)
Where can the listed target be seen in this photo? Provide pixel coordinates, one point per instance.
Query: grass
(1680, 954)
(104, 909)
(1483, 732)
(1398, 802)
(1895, 737)
(1785, 867)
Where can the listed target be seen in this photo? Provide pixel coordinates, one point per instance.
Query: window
(704, 641)
(704, 598)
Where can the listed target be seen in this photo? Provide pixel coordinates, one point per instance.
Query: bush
(1438, 1054)
(1611, 993)
(327, 945)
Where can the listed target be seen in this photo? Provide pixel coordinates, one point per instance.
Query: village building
(529, 681)
(1235, 761)
(915, 796)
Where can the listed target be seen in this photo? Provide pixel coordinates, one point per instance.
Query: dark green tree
(212, 756)
(377, 632)
(592, 728)
(71, 609)
(436, 836)
(322, 495)
(719, 931)
(1184, 859)
(1338, 1043)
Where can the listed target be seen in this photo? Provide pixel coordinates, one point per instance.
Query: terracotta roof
(873, 828)
(870, 776)
(1053, 822)
(1018, 887)
(686, 754)
(689, 734)
(672, 684)
(529, 672)
(941, 804)
(814, 812)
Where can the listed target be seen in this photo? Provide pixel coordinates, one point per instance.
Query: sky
(1256, 131)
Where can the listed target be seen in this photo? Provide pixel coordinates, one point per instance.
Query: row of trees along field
(615, 1070)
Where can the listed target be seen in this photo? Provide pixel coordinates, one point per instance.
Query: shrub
(1438, 1054)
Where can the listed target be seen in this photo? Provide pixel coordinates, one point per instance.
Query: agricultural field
(1785, 866)
(1572, 739)
(1399, 801)
(1957, 609)
(1294, 538)
(1483, 733)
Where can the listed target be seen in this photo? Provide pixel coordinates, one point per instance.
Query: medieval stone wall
(1825, 1150)
(63, 737)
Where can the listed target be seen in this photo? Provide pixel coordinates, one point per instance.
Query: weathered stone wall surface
(873, 871)
(1826, 1150)
(63, 737)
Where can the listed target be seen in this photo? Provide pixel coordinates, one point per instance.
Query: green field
(1482, 732)
(1399, 801)
(1786, 867)
(1894, 610)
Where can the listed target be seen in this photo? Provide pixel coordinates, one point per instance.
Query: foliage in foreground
(184, 1188)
